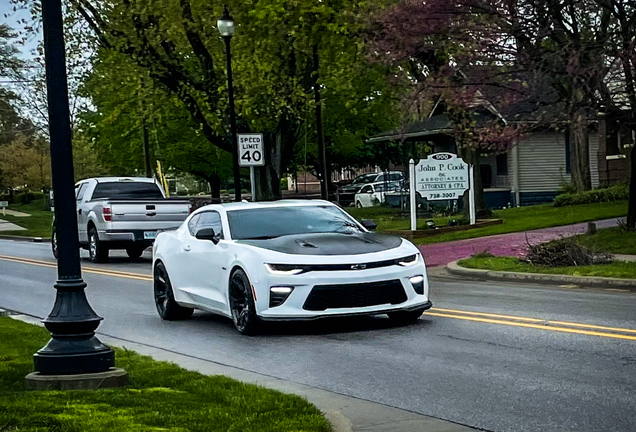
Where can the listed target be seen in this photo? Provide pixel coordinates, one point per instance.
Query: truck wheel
(97, 252)
(358, 204)
(135, 251)
(54, 243)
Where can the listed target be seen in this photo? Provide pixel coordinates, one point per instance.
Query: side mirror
(207, 234)
(369, 224)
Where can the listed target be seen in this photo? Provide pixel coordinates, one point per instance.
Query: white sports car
(285, 260)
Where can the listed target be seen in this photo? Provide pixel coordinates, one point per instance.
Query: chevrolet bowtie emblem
(358, 266)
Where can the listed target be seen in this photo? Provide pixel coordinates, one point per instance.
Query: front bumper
(293, 308)
(424, 307)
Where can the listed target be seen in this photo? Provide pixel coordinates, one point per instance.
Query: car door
(365, 196)
(205, 261)
(80, 191)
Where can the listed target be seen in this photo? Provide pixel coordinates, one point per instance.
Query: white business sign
(443, 176)
(251, 148)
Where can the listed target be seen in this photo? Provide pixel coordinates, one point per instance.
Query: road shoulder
(345, 413)
(585, 281)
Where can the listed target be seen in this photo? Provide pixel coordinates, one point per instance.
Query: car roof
(247, 205)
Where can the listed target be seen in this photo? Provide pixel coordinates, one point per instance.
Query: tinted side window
(79, 194)
(192, 225)
(127, 190)
(212, 220)
(393, 177)
(366, 189)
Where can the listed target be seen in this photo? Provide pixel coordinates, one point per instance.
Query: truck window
(127, 190)
(79, 193)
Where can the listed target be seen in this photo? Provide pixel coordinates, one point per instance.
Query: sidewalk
(16, 213)
(512, 244)
(8, 226)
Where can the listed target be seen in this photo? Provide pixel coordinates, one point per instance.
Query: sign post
(4, 204)
(412, 195)
(442, 176)
(251, 154)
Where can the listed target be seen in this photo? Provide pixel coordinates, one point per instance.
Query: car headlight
(409, 260)
(284, 269)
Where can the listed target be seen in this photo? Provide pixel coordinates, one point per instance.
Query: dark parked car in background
(347, 193)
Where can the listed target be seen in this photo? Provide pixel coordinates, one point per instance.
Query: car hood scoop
(328, 243)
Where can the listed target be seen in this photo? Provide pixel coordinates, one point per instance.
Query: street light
(226, 27)
(74, 357)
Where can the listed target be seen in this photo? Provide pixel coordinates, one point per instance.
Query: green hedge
(617, 192)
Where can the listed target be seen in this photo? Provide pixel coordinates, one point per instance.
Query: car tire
(358, 204)
(97, 252)
(167, 306)
(406, 317)
(242, 304)
(54, 249)
(135, 252)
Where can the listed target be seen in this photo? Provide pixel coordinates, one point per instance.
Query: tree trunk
(215, 188)
(267, 178)
(580, 151)
(631, 209)
(481, 209)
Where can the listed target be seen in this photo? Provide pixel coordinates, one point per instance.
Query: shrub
(24, 198)
(6, 198)
(563, 253)
(617, 192)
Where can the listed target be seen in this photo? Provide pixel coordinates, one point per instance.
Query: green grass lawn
(37, 225)
(616, 269)
(160, 396)
(612, 240)
(514, 219)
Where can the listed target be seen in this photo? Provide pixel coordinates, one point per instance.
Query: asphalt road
(492, 356)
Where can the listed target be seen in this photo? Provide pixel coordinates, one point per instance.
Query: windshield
(280, 221)
(369, 178)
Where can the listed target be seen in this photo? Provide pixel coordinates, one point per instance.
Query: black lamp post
(226, 27)
(73, 348)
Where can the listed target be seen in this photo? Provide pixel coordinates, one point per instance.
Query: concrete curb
(588, 281)
(25, 239)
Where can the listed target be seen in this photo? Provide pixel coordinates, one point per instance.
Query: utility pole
(322, 156)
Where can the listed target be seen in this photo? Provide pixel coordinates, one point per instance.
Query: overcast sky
(11, 18)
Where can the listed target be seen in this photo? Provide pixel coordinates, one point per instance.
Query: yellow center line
(491, 315)
(537, 320)
(92, 270)
(535, 326)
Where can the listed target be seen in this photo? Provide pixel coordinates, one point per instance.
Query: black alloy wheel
(358, 204)
(97, 252)
(242, 304)
(166, 305)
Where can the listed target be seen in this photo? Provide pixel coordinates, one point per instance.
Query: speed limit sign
(251, 150)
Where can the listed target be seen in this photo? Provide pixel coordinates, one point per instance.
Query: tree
(124, 103)
(455, 58)
(176, 44)
(620, 85)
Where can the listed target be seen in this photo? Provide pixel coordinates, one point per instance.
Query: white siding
(542, 162)
(594, 158)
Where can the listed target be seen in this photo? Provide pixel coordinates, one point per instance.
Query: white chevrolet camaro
(285, 260)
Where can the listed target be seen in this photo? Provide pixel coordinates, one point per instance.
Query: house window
(502, 164)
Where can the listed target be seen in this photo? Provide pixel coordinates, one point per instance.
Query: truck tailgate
(151, 214)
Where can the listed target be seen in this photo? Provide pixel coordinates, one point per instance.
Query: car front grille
(324, 297)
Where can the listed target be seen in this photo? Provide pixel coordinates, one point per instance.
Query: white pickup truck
(122, 213)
